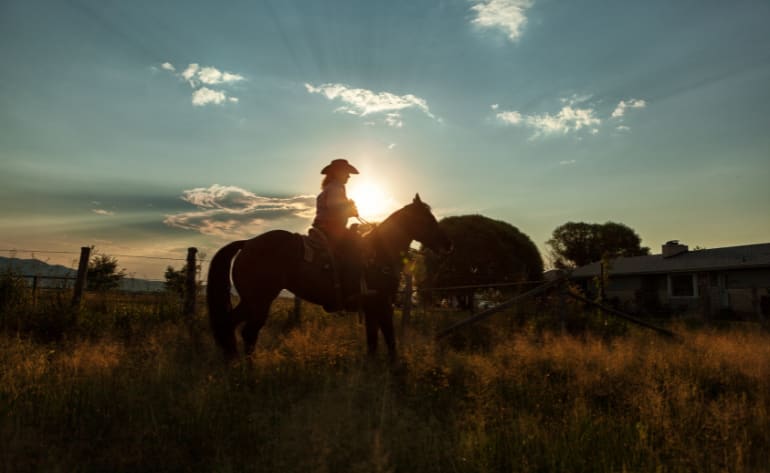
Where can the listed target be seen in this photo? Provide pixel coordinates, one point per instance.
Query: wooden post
(190, 289)
(80, 281)
(34, 291)
(563, 310)
(297, 313)
(406, 305)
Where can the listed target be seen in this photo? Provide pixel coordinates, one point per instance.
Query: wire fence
(140, 267)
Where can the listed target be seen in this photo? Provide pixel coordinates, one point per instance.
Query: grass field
(124, 388)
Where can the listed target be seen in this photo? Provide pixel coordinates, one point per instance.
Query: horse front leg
(386, 325)
(371, 324)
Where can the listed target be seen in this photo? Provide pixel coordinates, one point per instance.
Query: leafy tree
(103, 273)
(486, 251)
(176, 280)
(578, 243)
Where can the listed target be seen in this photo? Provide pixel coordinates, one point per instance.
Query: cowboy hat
(339, 165)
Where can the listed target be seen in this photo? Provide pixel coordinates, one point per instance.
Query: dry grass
(160, 400)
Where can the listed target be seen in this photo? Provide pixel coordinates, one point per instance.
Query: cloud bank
(508, 16)
(574, 116)
(363, 102)
(567, 120)
(232, 212)
(198, 78)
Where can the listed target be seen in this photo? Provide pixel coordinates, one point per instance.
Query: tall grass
(161, 400)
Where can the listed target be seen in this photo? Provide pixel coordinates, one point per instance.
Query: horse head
(423, 227)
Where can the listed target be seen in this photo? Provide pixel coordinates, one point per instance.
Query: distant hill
(35, 267)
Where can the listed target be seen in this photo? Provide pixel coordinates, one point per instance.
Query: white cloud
(512, 118)
(567, 162)
(205, 96)
(494, 106)
(363, 102)
(623, 128)
(233, 212)
(506, 15)
(568, 119)
(620, 110)
(392, 145)
(199, 77)
(196, 75)
(102, 212)
(190, 72)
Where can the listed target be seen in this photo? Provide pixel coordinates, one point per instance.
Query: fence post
(80, 281)
(190, 292)
(34, 291)
(406, 305)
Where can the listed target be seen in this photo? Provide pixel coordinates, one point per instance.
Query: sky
(143, 128)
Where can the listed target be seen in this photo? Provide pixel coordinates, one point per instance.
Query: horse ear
(417, 199)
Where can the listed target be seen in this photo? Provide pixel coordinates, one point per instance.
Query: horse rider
(333, 209)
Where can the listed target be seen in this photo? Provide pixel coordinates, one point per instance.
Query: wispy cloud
(567, 162)
(620, 110)
(506, 15)
(568, 119)
(199, 77)
(363, 102)
(103, 212)
(577, 114)
(233, 212)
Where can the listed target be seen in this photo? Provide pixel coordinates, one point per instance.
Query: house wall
(733, 293)
(746, 290)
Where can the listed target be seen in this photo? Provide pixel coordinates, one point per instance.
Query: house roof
(732, 257)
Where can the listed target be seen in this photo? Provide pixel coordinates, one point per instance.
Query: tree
(486, 251)
(578, 243)
(176, 280)
(103, 273)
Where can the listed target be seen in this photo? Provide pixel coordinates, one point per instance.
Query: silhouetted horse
(278, 260)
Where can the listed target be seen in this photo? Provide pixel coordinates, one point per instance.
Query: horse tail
(218, 297)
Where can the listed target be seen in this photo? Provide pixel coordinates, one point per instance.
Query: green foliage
(576, 244)
(485, 251)
(103, 273)
(176, 281)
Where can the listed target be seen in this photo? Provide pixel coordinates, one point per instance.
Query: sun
(372, 200)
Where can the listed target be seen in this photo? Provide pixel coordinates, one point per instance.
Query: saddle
(316, 246)
(318, 251)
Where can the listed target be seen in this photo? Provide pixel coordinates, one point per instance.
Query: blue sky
(146, 127)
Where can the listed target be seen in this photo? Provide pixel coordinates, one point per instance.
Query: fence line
(110, 254)
(475, 286)
(80, 278)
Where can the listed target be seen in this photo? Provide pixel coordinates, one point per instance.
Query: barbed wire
(20, 250)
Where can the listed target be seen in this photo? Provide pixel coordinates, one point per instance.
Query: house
(732, 282)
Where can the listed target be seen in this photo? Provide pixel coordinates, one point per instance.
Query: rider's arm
(337, 201)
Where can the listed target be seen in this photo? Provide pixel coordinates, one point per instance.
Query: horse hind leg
(255, 320)
(224, 333)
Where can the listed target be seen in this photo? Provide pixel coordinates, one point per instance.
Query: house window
(682, 285)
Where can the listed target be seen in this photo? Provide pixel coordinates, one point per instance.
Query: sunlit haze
(373, 202)
(144, 128)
